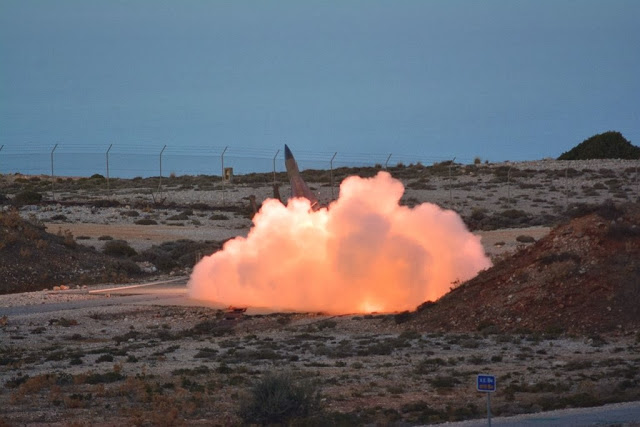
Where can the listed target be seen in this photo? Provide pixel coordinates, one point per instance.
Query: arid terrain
(556, 319)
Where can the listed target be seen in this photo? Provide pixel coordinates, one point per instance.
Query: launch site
(193, 302)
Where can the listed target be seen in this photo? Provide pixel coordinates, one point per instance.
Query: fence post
(387, 162)
(274, 167)
(222, 173)
(53, 178)
(331, 163)
(107, 156)
(2, 146)
(160, 181)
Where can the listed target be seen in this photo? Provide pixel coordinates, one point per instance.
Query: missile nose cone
(287, 153)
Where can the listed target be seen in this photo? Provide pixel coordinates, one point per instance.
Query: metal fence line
(119, 159)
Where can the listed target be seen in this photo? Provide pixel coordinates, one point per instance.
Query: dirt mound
(583, 277)
(32, 259)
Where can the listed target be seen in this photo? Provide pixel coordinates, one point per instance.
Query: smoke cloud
(363, 253)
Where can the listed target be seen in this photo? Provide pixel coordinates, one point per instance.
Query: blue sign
(486, 383)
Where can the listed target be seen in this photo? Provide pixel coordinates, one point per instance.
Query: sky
(501, 80)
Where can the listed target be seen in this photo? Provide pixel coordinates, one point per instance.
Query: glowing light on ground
(363, 253)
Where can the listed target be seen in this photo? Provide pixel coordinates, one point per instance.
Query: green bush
(118, 248)
(218, 217)
(278, 399)
(179, 217)
(146, 221)
(27, 197)
(607, 145)
(179, 253)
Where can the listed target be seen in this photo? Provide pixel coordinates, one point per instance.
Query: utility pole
(222, 172)
(107, 155)
(331, 162)
(274, 167)
(53, 178)
(160, 180)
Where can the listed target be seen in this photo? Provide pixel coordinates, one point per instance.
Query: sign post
(486, 384)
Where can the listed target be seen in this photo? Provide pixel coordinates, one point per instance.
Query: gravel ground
(120, 360)
(124, 360)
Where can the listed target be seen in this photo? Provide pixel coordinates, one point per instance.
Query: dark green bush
(107, 377)
(607, 145)
(278, 399)
(179, 253)
(179, 217)
(27, 197)
(218, 217)
(126, 266)
(104, 203)
(523, 238)
(146, 221)
(118, 248)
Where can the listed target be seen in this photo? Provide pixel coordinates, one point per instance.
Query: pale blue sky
(503, 80)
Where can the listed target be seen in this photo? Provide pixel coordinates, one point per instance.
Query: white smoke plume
(363, 253)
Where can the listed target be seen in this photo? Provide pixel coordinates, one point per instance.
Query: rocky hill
(583, 277)
(32, 259)
(607, 145)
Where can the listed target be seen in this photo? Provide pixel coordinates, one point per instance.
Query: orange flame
(363, 253)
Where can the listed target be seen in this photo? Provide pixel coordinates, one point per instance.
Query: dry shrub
(134, 388)
(32, 386)
(68, 239)
(10, 219)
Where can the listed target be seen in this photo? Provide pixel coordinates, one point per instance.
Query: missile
(299, 188)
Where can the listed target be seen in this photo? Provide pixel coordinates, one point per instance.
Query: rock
(147, 267)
